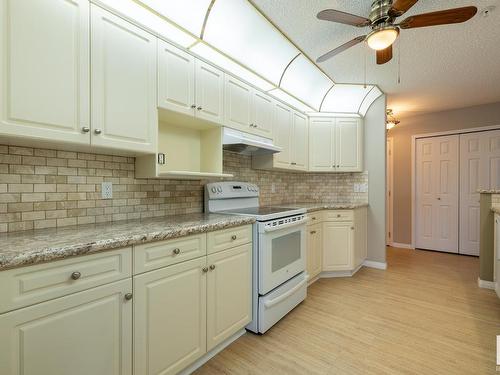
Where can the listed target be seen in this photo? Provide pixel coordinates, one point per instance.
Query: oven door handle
(277, 300)
(284, 226)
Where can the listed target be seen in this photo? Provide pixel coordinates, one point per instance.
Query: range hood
(247, 144)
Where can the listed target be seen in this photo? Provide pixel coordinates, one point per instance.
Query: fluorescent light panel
(345, 98)
(332, 114)
(280, 94)
(189, 14)
(305, 81)
(143, 17)
(236, 28)
(210, 54)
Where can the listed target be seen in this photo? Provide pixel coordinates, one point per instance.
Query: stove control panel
(231, 189)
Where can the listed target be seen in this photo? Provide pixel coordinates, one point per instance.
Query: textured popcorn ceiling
(442, 67)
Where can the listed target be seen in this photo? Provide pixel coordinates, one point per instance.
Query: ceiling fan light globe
(382, 38)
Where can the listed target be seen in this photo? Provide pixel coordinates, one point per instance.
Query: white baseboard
(402, 245)
(212, 353)
(486, 284)
(377, 265)
(328, 274)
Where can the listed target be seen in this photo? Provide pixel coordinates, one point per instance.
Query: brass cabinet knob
(205, 269)
(76, 275)
(233, 237)
(128, 296)
(212, 267)
(176, 251)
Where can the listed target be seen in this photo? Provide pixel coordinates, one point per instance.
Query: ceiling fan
(384, 29)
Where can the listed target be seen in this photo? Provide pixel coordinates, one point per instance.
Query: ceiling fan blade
(400, 7)
(341, 48)
(384, 55)
(443, 17)
(342, 17)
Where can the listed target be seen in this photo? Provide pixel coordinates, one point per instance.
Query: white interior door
(437, 193)
(479, 169)
(389, 196)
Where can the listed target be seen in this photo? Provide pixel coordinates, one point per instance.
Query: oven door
(281, 254)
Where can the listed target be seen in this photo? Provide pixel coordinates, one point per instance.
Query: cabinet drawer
(154, 255)
(25, 286)
(228, 238)
(339, 215)
(315, 217)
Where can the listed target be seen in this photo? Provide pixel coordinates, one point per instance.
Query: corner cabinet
(124, 114)
(45, 70)
(335, 144)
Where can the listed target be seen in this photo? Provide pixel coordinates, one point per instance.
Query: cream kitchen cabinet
(335, 144)
(45, 70)
(314, 250)
(262, 114)
(170, 317)
(88, 332)
(188, 85)
(290, 132)
(123, 82)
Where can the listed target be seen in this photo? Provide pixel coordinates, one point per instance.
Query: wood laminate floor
(424, 315)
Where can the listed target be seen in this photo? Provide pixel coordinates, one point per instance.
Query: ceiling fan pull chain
(399, 61)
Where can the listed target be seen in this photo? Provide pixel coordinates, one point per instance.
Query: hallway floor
(424, 315)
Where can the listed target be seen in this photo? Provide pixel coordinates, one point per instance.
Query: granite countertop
(495, 209)
(317, 206)
(27, 248)
(491, 191)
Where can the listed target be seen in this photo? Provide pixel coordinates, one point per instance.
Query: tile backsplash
(41, 188)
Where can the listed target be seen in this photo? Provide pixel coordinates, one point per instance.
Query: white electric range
(279, 277)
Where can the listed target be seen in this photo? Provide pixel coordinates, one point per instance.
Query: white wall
(375, 164)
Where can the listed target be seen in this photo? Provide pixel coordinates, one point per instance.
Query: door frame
(413, 166)
(389, 237)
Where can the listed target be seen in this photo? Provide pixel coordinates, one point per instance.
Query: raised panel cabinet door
(176, 79)
(321, 132)
(348, 145)
(45, 69)
(282, 134)
(300, 142)
(262, 114)
(229, 293)
(338, 246)
(89, 332)
(238, 102)
(124, 114)
(170, 318)
(209, 92)
(314, 250)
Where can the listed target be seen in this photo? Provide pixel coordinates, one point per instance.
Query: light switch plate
(107, 190)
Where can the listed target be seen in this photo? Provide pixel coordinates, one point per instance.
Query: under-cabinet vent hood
(247, 144)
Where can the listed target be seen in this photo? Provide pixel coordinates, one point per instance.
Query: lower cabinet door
(229, 293)
(338, 246)
(84, 333)
(170, 318)
(314, 250)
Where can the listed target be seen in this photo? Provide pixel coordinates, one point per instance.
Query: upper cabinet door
(321, 132)
(45, 69)
(238, 99)
(209, 92)
(262, 114)
(299, 142)
(348, 145)
(176, 79)
(124, 113)
(282, 133)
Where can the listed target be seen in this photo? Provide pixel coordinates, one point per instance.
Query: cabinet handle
(352, 228)
(313, 232)
(314, 218)
(85, 129)
(233, 237)
(199, 108)
(338, 166)
(293, 163)
(193, 106)
(76, 275)
(128, 296)
(205, 269)
(97, 131)
(212, 267)
(338, 215)
(439, 199)
(176, 251)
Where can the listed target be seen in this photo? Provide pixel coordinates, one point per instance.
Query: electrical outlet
(363, 188)
(273, 188)
(107, 190)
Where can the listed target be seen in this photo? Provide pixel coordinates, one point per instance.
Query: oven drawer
(228, 238)
(26, 286)
(154, 255)
(339, 215)
(276, 304)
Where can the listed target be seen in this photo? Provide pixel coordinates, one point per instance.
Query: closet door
(437, 193)
(479, 169)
